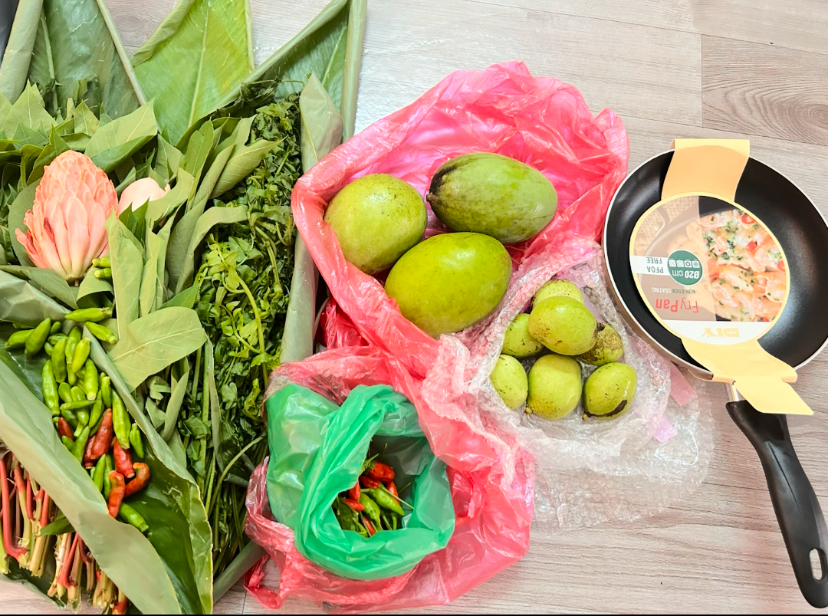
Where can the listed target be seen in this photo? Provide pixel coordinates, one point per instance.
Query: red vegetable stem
(63, 579)
(29, 499)
(44, 514)
(83, 553)
(12, 550)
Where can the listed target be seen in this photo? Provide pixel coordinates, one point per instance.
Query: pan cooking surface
(802, 328)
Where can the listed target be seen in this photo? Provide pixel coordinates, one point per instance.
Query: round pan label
(708, 269)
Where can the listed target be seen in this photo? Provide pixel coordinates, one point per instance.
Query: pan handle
(794, 501)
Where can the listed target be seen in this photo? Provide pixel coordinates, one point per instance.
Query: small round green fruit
(609, 391)
(554, 387)
(509, 379)
(518, 342)
(563, 325)
(557, 288)
(608, 347)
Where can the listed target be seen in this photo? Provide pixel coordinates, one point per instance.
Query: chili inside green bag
(316, 451)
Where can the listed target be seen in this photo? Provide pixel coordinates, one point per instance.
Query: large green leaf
(200, 52)
(66, 44)
(330, 47)
(113, 143)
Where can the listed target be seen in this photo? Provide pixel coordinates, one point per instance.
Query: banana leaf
(69, 48)
(169, 570)
(197, 55)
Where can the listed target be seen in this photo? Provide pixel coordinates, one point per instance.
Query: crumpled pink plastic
(494, 511)
(540, 121)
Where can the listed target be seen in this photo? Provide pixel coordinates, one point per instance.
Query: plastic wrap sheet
(492, 499)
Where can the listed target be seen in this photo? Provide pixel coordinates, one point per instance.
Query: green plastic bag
(316, 452)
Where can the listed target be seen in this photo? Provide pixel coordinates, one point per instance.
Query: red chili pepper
(116, 492)
(380, 472)
(44, 510)
(103, 437)
(354, 504)
(367, 482)
(87, 455)
(15, 551)
(123, 461)
(368, 526)
(29, 499)
(354, 492)
(64, 429)
(142, 477)
(392, 487)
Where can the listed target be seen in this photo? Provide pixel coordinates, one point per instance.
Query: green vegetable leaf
(51, 283)
(156, 415)
(152, 343)
(58, 527)
(90, 285)
(168, 204)
(69, 48)
(200, 52)
(241, 163)
(167, 159)
(28, 111)
(187, 298)
(127, 269)
(17, 211)
(198, 150)
(179, 389)
(84, 120)
(150, 277)
(122, 137)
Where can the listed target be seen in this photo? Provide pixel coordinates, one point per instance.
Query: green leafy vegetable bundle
(197, 273)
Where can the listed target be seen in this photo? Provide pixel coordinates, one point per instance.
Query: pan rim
(698, 371)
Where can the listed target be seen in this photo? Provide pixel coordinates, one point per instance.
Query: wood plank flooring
(669, 68)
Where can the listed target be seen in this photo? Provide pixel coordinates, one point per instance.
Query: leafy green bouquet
(201, 284)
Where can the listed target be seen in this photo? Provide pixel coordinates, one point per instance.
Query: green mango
(376, 219)
(494, 195)
(450, 281)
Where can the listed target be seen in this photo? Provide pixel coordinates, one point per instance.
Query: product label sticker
(708, 269)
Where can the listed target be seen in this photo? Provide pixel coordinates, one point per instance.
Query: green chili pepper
(55, 327)
(83, 420)
(96, 415)
(120, 421)
(81, 355)
(106, 391)
(76, 405)
(71, 377)
(71, 344)
(48, 348)
(98, 473)
(35, 341)
(49, 388)
(135, 440)
(54, 338)
(129, 515)
(104, 274)
(80, 444)
(102, 262)
(77, 394)
(108, 468)
(102, 332)
(385, 500)
(67, 442)
(58, 360)
(84, 315)
(90, 380)
(372, 510)
(18, 339)
(65, 392)
(69, 415)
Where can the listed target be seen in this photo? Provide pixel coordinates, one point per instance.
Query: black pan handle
(794, 501)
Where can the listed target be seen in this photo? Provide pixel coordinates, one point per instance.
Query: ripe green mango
(376, 219)
(494, 195)
(450, 281)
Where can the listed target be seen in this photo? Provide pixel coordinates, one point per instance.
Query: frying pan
(798, 335)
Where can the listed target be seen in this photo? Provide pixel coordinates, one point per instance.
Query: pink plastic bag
(504, 109)
(493, 511)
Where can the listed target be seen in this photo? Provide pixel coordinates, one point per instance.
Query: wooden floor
(669, 68)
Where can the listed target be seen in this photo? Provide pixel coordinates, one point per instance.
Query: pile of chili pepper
(373, 504)
(30, 521)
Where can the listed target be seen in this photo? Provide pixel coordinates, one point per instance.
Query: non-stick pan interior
(802, 328)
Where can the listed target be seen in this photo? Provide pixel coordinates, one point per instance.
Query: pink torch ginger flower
(66, 223)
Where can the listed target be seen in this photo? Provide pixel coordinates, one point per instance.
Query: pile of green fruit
(450, 281)
(563, 332)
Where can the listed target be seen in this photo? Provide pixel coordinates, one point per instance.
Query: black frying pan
(799, 333)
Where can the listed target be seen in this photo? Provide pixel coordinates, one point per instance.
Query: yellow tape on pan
(715, 275)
